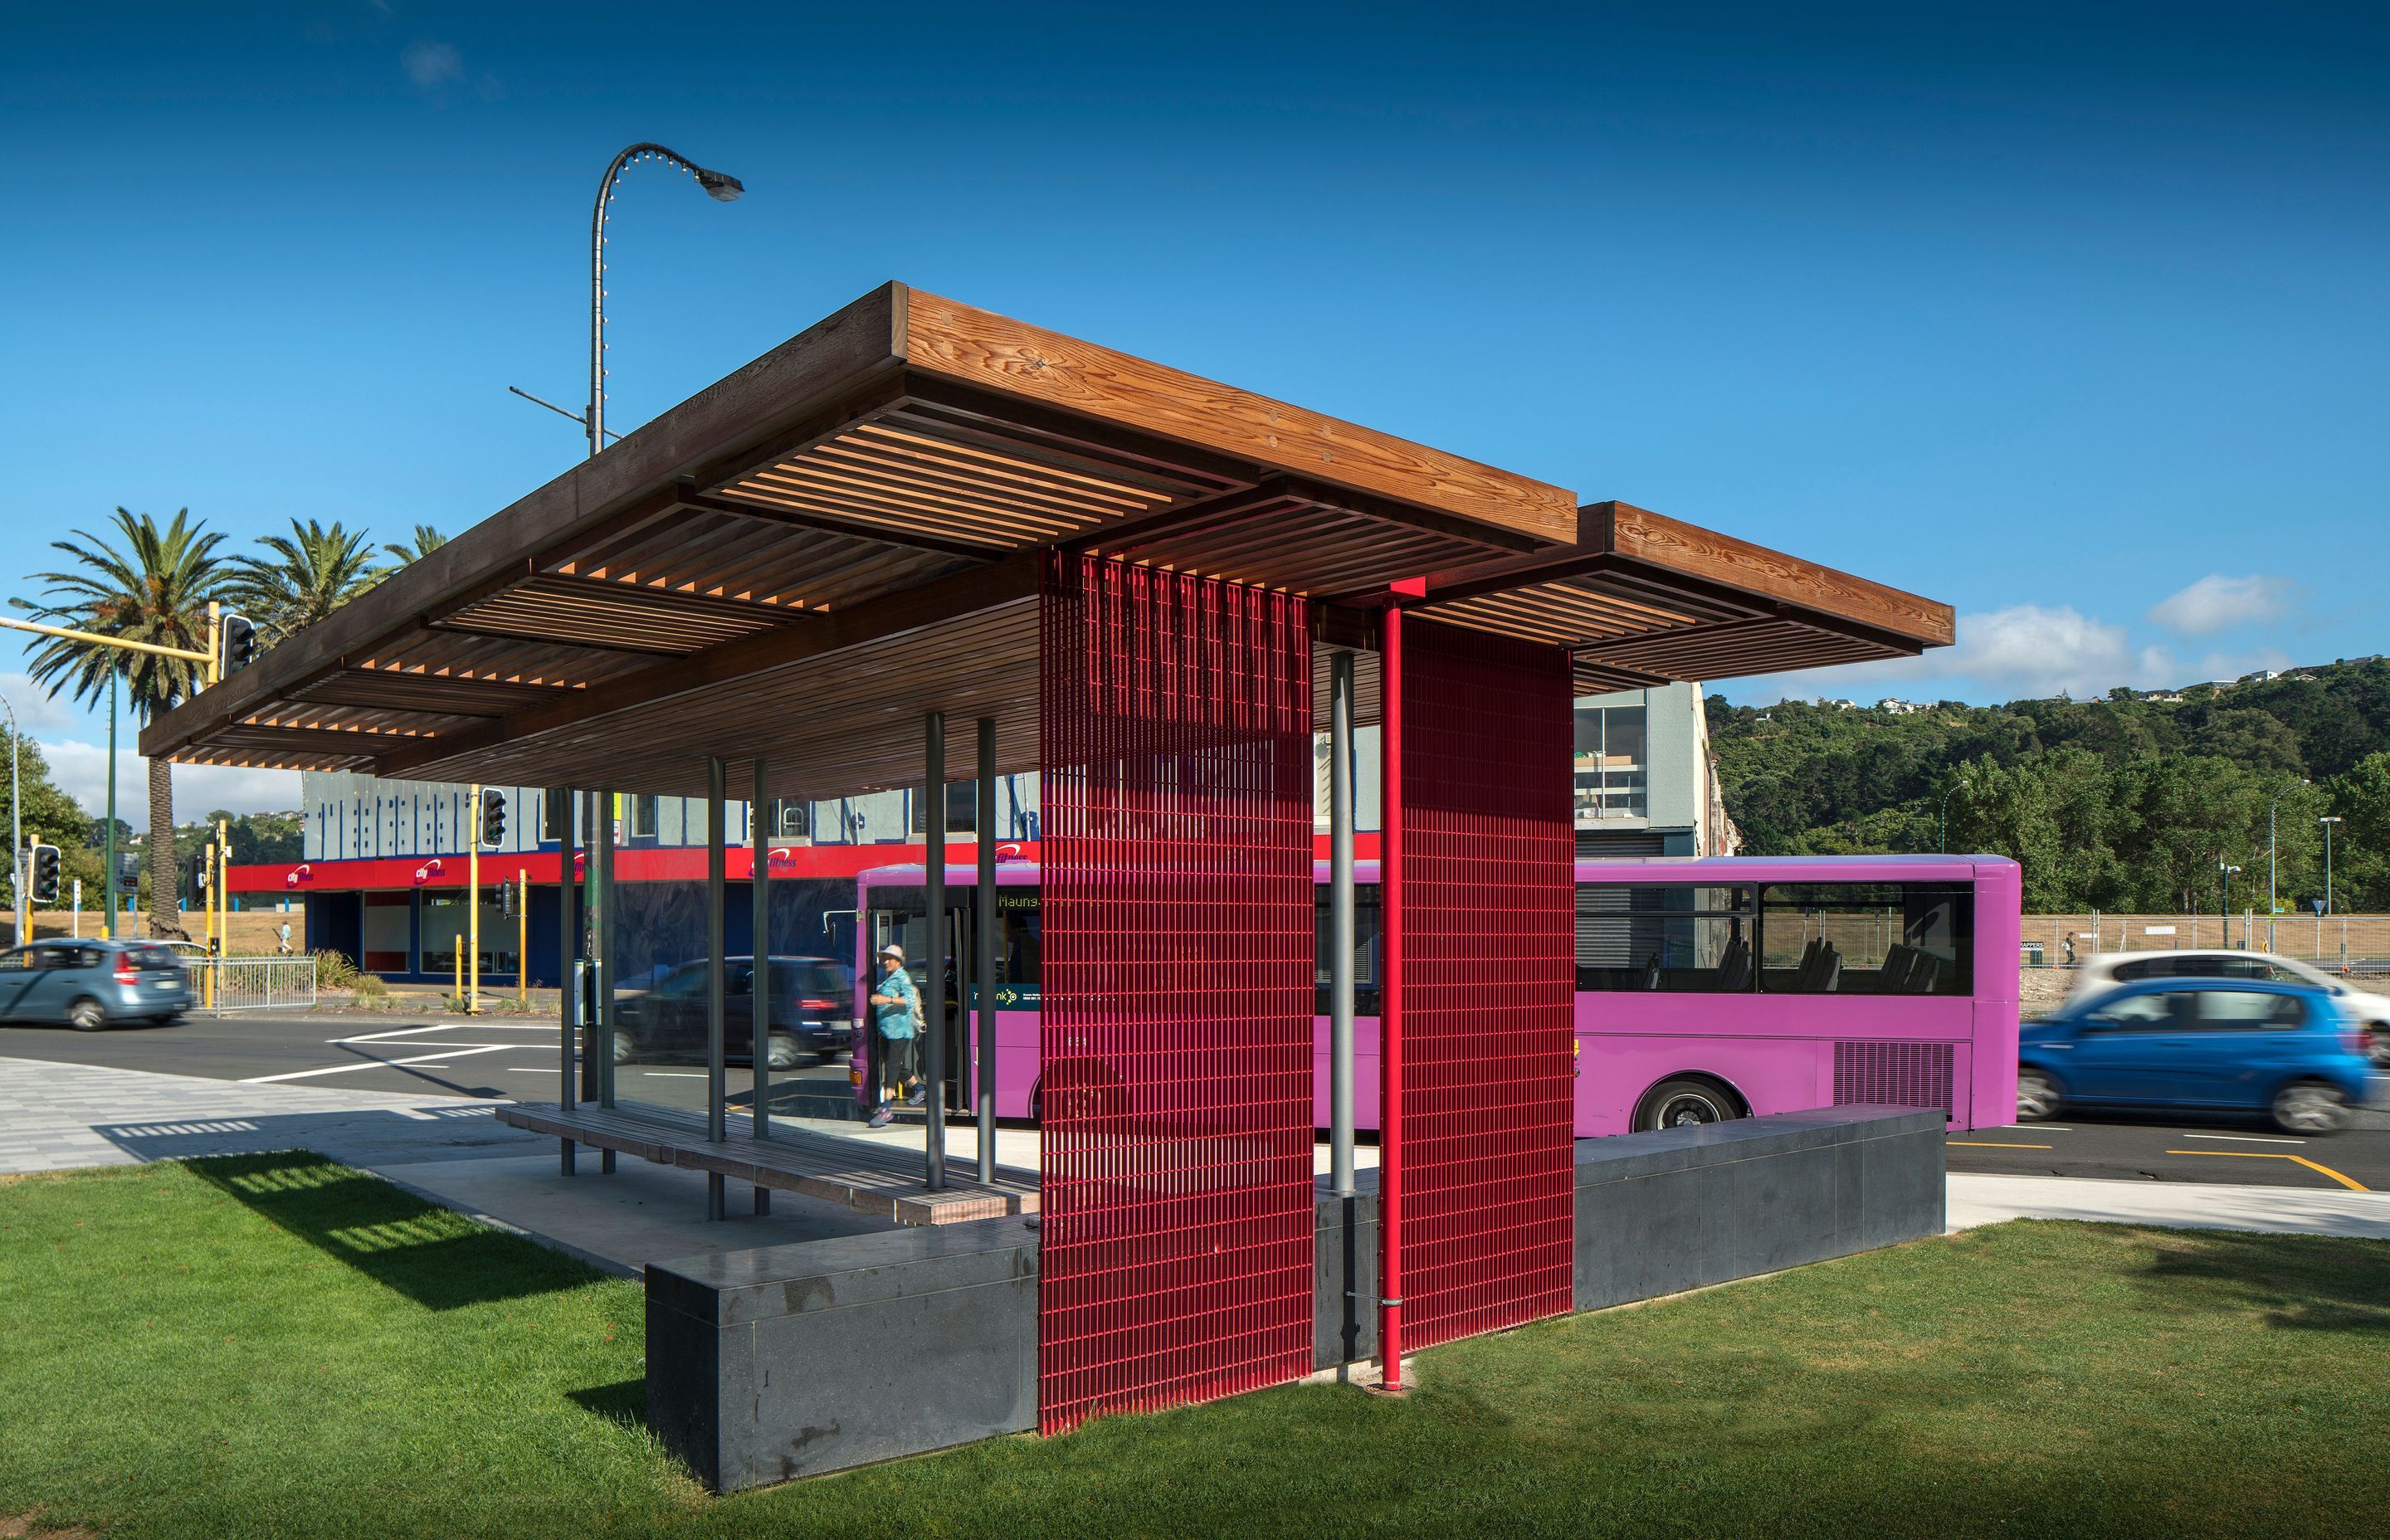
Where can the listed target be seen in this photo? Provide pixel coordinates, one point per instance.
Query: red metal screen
(1175, 1041)
(1488, 917)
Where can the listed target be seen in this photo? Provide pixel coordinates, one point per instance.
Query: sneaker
(883, 1117)
(916, 1095)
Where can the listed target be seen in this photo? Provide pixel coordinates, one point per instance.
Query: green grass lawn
(275, 1345)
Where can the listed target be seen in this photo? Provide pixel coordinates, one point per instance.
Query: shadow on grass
(624, 1403)
(2301, 1283)
(435, 1256)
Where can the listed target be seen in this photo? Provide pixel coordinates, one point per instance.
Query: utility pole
(110, 876)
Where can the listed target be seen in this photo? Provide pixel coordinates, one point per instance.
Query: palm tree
(427, 540)
(306, 575)
(152, 586)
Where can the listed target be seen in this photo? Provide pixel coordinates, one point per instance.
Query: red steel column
(1390, 1009)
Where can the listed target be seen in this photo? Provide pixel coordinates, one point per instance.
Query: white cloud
(2022, 651)
(2218, 603)
(37, 711)
(430, 65)
(81, 770)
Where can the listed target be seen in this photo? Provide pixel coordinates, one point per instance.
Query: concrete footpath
(1978, 1200)
(453, 1152)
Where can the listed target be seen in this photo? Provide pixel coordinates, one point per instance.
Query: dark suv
(813, 1013)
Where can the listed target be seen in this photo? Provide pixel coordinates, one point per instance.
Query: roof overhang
(802, 558)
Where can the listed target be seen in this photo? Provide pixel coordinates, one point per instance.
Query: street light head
(721, 187)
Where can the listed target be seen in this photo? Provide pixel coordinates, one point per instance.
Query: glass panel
(445, 919)
(2242, 1009)
(389, 918)
(1666, 937)
(644, 821)
(1368, 933)
(1867, 938)
(2139, 1013)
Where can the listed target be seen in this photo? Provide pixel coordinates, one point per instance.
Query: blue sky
(2070, 315)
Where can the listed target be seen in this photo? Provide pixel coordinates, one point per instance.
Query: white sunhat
(893, 950)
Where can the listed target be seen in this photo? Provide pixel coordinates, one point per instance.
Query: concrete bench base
(798, 1360)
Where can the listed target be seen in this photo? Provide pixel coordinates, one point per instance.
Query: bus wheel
(1683, 1101)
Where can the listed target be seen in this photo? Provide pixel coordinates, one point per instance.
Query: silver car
(91, 984)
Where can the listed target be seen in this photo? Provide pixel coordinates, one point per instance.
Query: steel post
(759, 912)
(568, 949)
(933, 894)
(1389, 992)
(597, 1056)
(471, 987)
(111, 874)
(1340, 938)
(717, 1074)
(984, 953)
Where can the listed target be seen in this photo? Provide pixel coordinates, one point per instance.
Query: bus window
(1665, 937)
(1867, 938)
(1366, 915)
(1018, 943)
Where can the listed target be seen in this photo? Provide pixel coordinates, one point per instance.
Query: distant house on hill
(1895, 706)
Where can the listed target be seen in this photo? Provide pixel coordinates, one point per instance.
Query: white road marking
(381, 1063)
(451, 1026)
(675, 1074)
(2243, 1138)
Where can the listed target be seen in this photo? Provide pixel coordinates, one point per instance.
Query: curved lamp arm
(719, 185)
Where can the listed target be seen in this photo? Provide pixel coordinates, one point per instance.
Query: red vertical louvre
(1488, 1121)
(1175, 1091)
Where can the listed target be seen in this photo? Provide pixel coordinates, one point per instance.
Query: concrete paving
(1981, 1199)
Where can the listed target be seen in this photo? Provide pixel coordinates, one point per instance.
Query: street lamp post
(16, 830)
(2327, 822)
(2224, 887)
(1942, 819)
(718, 186)
(2273, 901)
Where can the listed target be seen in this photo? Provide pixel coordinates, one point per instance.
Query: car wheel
(780, 1053)
(2377, 1040)
(625, 1047)
(2309, 1107)
(85, 1015)
(2036, 1097)
(1684, 1102)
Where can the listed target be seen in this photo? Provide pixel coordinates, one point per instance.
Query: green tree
(427, 540)
(51, 816)
(2360, 845)
(304, 576)
(152, 584)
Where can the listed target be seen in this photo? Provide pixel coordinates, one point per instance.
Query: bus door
(900, 916)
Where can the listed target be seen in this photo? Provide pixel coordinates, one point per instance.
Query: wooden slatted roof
(806, 556)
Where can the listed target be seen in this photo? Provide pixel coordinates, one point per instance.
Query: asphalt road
(516, 1058)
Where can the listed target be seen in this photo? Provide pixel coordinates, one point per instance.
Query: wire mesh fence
(2358, 943)
(223, 985)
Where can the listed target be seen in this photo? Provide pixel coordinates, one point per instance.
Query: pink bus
(1707, 988)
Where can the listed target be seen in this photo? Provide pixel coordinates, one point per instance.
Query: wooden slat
(995, 352)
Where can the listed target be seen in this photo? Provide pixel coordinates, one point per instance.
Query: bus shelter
(920, 543)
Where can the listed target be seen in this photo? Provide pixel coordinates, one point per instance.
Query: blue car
(90, 984)
(2212, 1045)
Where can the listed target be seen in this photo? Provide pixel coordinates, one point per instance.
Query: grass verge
(278, 1346)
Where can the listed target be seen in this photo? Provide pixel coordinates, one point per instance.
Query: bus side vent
(1900, 1074)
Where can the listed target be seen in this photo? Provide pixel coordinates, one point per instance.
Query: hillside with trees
(2126, 803)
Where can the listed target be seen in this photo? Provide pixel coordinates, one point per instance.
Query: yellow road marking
(1987, 1144)
(2350, 1183)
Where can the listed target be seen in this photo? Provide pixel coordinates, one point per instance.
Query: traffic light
(506, 899)
(493, 817)
(45, 874)
(239, 642)
(199, 864)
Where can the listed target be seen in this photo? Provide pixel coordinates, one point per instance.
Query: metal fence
(221, 984)
(2359, 943)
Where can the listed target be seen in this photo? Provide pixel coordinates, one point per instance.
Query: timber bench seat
(867, 1177)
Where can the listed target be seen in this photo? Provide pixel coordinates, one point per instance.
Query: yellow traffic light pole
(473, 904)
(522, 935)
